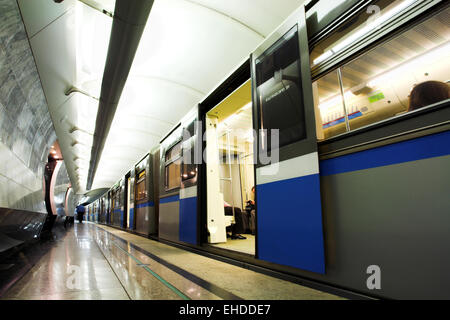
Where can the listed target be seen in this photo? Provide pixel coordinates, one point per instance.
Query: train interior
(231, 178)
(376, 85)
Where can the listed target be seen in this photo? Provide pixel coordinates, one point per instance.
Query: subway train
(311, 145)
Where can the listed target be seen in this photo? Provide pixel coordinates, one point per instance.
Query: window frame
(291, 35)
(170, 162)
(140, 180)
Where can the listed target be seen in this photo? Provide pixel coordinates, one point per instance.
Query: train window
(173, 167)
(173, 175)
(173, 152)
(279, 91)
(402, 74)
(141, 190)
(189, 168)
(330, 104)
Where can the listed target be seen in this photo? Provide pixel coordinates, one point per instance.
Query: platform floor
(94, 262)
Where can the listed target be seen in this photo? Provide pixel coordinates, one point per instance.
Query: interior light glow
(337, 99)
(323, 57)
(93, 33)
(439, 53)
(90, 30)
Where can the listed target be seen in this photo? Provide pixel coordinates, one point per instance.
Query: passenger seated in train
(251, 211)
(427, 93)
(234, 231)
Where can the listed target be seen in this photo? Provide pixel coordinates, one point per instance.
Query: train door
(230, 173)
(188, 216)
(128, 203)
(131, 201)
(288, 200)
(170, 182)
(108, 208)
(117, 213)
(103, 201)
(116, 205)
(146, 222)
(123, 204)
(112, 213)
(95, 212)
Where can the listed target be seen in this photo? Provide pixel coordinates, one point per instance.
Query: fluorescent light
(333, 101)
(436, 54)
(323, 57)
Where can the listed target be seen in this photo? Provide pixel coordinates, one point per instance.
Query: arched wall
(26, 128)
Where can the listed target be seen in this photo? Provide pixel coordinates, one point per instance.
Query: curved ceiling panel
(190, 44)
(251, 13)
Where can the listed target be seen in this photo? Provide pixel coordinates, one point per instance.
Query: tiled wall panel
(26, 129)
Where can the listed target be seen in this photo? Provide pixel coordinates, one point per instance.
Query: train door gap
(230, 173)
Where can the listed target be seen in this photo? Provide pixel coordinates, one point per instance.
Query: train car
(330, 174)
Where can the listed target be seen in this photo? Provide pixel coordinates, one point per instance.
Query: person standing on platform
(80, 213)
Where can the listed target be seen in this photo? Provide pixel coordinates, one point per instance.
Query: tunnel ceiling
(187, 48)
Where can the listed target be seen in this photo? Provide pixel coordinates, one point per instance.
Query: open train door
(289, 213)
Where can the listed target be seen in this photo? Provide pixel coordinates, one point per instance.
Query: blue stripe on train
(146, 204)
(342, 119)
(169, 199)
(290, 223)
(431, 146)
(188, 220)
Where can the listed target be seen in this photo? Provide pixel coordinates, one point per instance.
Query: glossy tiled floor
(98, 262)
